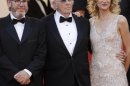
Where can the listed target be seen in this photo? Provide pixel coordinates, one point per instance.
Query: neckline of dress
(102, 32)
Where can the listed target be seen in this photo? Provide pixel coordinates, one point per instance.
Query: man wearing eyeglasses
(67, 46)
(22, 47)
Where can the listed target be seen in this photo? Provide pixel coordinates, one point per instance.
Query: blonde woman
(109, 34)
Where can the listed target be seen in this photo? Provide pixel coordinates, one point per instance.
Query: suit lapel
(27, 29)
(80, 33)
(11, 29)
(52, 25)
(58, 37)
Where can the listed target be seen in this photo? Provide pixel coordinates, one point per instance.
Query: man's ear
(53, 4)
(9, 4)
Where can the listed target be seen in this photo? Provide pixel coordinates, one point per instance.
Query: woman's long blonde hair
(93, 9)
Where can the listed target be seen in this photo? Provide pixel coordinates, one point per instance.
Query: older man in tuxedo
(67, 46)
(22, 47)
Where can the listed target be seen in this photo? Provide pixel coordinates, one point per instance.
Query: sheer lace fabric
(106, 69)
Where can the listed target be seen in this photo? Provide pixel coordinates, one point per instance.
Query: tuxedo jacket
(35, 10)
(62, 69)
(17, 55)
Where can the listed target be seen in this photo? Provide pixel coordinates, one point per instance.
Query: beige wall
(3, 8)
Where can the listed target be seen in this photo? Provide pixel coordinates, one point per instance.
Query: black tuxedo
(35, 10)
(17, 55)
(62, 69)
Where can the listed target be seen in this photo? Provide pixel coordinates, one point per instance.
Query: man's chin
(20, 14)
(68, 11)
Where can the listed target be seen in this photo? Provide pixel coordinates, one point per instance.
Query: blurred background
(3, 8)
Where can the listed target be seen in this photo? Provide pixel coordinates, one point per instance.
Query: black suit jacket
(16, 55)
(35, 10)
(62, 69)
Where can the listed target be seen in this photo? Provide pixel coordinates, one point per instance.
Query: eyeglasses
(20, 1)
(64, 1)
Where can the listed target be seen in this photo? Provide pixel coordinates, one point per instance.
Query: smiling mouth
(104, 4)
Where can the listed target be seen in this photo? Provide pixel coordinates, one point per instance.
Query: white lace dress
(106, 69)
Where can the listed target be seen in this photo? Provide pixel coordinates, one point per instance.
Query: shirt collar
(58, 14)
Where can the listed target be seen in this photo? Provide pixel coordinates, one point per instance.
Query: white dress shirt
(68, 32)
(19, 27)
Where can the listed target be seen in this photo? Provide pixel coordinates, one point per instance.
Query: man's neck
(66, 15)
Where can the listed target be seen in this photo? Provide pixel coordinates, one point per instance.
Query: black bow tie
(62, 19)
(14, 21)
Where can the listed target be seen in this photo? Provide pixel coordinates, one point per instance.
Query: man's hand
(122, 56)
(22, 77)
(79, 13)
